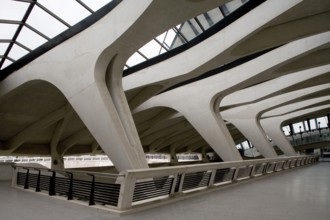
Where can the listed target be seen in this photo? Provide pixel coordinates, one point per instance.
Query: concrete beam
(23, 136)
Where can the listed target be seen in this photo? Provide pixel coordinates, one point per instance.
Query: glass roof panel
(233, 5)
(30, 39)
(95, 5)
(72, 13)
(41, 21)
(161, 37)
(12, 10)
(3, 48)
(169, 38)
(162, 51)
(151, 49)
(7, 31)
(47, 19)
(6, 63)
(213, 16)
(17, 52)
(135, 59)
(188, 30)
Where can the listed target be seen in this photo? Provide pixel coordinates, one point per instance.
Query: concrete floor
(300, 194)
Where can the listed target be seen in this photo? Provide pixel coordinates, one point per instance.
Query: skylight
(27, 24)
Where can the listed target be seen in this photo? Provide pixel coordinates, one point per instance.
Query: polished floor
(302, 193)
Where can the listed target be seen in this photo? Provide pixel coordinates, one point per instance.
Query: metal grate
(196, 180)
(258, 169)
(160, 186)
(106, 193)
(244, 172)
(224, 175)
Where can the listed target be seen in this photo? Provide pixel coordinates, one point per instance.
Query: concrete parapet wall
(6, 171)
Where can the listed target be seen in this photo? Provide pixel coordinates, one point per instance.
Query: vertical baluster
(91, 195)
(52, 184)
(26, 185)
(70, 193)
(38, 182)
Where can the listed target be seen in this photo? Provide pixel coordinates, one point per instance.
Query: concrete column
(212, 128)
(273, 125)
(252, 130)
(57, 162)
(246, 118)
(273, 128)
(205, 159)
(174, 159)
(96, 109)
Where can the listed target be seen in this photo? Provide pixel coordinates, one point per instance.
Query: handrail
(70, 171)
(209, 166)
(142, 186)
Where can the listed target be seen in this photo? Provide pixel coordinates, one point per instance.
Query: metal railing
(134, 188)
(310, 137)
(93, 187)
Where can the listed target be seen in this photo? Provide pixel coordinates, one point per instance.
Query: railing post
(266, 168)
(235, 174)
(126, 191)
(14, 176)
(91, 195)
(212, 177)
(38, 182)
(70, 193)
(252, 170)
(181, 182)
(26, 184)
(52, 184)
(175, 179)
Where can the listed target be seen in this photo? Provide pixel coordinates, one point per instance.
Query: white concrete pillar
(273, 125)
(96, 109)
(212, 128)
(251, 129)
(273, 128)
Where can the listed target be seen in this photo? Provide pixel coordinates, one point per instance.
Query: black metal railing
(84, 187)
(136, 187)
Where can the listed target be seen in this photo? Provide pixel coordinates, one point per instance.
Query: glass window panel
(233, 5)
(306, 125)
(3, 48)
(17, 52)
(45, 23)
(151, 49)
(321, 122)
(313, 125)
(161, 37)
(135, 59)
(68, 10)
(189, 31)
(178, 41)
(203, 21)
(12, 10)
(162, 50)
(245, 145)
(297, 127)
(6, 63)
(169, 38)
(286, 130)
(30, 38)
(212, 17)
(95, 5)
(7, 31)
